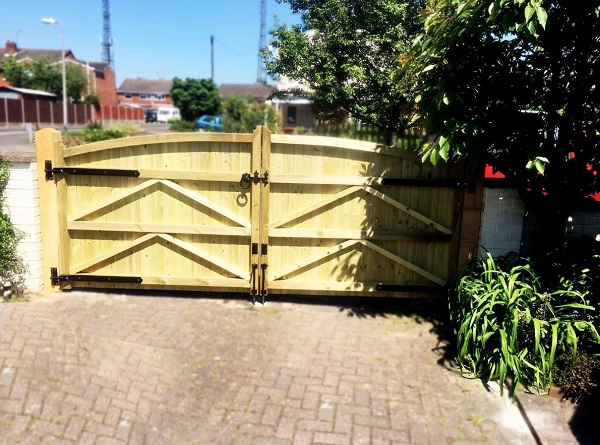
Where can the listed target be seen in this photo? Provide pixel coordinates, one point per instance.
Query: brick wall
(23, 207)
(106, 88)
(502, 221)
(584, 223)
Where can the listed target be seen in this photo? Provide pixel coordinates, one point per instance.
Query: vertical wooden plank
(255, 213)
(265, 196)
(470, 225)
(49, 148)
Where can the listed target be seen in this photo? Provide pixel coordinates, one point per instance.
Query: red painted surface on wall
(490, 174)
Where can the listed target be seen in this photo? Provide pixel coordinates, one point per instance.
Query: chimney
(11, 47)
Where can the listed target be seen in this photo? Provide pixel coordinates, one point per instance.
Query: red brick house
(104, 83)
(101, 76)
(147, 93)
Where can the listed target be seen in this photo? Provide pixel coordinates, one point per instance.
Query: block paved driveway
(92, 368)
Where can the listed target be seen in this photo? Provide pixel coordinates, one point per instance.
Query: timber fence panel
(4, 111)
(180, 222)
(254, 212)
(49, 148)
(336, 227)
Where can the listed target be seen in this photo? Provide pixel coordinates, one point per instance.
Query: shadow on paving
(584, 423)
(421, 310)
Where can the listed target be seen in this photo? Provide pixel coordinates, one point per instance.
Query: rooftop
(140, 85)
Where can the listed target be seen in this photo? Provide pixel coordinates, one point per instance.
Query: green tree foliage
(11, 264)
(13, 72)
(244, 115)
(42, 75)
(236, 110)
(92, 99)
(45, 76)
(346, 52)
(514, 84)
(77, 82)
(195, 97)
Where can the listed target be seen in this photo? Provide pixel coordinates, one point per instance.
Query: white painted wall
(23, 207)
(502, 221)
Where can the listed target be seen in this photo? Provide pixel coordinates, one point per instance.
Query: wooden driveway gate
(246, 212)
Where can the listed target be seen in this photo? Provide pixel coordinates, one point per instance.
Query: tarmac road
(15, 140)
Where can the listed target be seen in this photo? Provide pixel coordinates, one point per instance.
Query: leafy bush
(578, 260)
(96, 135)
(11, 264)
(92, 99)
(92, 133)
(127, 128)
(507, 325)
(181, 125)
(578, 375)
(94, 126)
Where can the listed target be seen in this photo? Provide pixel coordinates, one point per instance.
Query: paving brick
(11, 406)
(286, 428)
(296, 390)
(314, 425)
(271, 415)
(124, 429)
(81, 404)
(102, 440)
(75, 428)
(112, 416)
(33, 403)
(361, 435)
(90, 368)
(331, 438)
(123, 405)
(303, 438)
(99, 429)
(311, 401)
(7, 375)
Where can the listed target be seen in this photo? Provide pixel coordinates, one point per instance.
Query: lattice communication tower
(261, 75)
(106, 42)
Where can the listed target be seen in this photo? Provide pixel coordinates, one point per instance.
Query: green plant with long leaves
(11, 264)
(508, 326)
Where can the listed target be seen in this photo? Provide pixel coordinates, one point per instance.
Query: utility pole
(52, 21)
(212, 58)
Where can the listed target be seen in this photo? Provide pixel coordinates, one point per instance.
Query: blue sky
(152, 39)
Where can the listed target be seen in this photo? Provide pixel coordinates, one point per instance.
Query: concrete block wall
(584, 223)
(501, 221)
(23, 207)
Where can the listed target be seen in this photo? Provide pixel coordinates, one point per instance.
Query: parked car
(210, 123)
(165, 114)
(151, 115)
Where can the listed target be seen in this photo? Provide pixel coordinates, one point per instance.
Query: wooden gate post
(48, 143)
(265, 190)
(255, 215)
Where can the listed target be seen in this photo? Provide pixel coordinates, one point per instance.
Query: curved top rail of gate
(349, 144)
(157, 139)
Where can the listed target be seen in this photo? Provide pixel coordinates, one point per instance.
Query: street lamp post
(52, 21)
